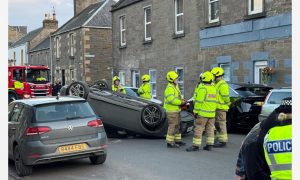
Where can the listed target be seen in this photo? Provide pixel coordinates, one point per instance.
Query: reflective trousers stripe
(280, 167)
(196, 141)
(170, 138)
(222, 137)
(177, 137)
(210, 141)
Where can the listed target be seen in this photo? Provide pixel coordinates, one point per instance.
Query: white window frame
(250, 12)
(57, 39)
(258, 67)
(123, 29)
(72, 44)
(147, 23)
(153, 81)
(180, 14)
(135, 76)
(222, 66)
(122, 77)
(180, 82)
(72, 75)
(209, 11)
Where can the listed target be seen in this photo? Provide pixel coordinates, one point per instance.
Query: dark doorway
(63, 78)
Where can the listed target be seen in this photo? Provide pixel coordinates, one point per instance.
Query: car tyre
(98, 159)
(79, 89)
(12, 96)
(101, 85)
(21, 168)
(152, 117)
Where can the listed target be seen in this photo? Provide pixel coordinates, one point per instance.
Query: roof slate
(123, 3)
(45, 44)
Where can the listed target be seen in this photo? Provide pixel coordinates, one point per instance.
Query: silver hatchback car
(273, 100)
(53, 129)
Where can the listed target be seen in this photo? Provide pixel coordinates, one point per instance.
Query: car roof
(282, 90)
(249, 85)
(49, 100)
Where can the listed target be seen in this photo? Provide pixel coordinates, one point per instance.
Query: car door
(10, 110)
(13, 124)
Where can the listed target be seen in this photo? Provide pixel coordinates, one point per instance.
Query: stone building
(40, 54)
(15, 33)
(82, 48)
(18, 51)
(243, 37)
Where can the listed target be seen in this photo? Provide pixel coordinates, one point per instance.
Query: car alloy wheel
(22, 170)
(152, 115)
(79, 89)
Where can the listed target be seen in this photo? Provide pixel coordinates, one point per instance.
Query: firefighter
(145, 89)
(198, 84)
(172, 102)
(117, 86)
(223, 102)
(205, 111)
(18, 84)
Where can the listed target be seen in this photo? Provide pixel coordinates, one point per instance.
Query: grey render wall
(41, 57)
(165, 52)
(66, 62)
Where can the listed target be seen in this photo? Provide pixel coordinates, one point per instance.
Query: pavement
(138, 158)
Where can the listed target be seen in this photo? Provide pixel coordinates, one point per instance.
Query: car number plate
(72, 148)
(189, 129)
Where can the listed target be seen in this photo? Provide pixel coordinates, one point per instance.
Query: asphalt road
(138, 158)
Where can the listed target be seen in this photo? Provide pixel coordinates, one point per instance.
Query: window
(255, 6)
(72, 44)
(135, 77)
(213, 11)
(258, 67)
(122, 77)
(122, 31)
(226, 68)
(22, 57)
(276, 97)
(147, 23)
(57, 47)
(16, 113)
(153, 74)
(72, 75)
(180, 73)
(179, 17)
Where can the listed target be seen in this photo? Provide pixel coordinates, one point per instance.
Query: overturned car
(121, 112)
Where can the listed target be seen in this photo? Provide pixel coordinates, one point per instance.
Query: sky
(31, 13)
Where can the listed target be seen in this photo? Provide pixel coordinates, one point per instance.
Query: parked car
(273, 100)
(127, 113)
(45, 130)
(246, 101)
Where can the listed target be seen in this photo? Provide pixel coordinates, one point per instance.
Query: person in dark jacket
(251, 164)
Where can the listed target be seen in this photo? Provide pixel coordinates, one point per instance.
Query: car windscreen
(276, 97)
(245, 93)
(63, 111)
(130, 92)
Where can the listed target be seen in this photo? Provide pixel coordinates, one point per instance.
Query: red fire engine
(28, 81)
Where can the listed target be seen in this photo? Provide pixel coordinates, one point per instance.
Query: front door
(258, 67)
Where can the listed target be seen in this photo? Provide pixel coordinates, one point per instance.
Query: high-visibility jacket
(145, 91)
(205, 102)
(172, 100)
(41, 79)
(195, 91)
(223, 99)
(18, 85)
(118, 89)
(278, 151)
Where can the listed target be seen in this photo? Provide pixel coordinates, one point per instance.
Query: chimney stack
(50, 22)
(80, 5)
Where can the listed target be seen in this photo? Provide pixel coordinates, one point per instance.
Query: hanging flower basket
(267, 75)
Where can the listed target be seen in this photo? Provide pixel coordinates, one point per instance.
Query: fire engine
(28, 81)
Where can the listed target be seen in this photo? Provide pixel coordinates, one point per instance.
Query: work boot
(172, 145)
(180, 143)
(220, 145)
(207, 147)
(192, 148)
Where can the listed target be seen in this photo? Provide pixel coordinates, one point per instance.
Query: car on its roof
(133, 91)
(45, 130)
(273, 100)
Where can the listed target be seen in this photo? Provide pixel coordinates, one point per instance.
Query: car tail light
(33, 156)
(37, 130)
(95, 123)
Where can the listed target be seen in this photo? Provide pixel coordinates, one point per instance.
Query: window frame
(153, 91)
(57, 55)
(121, 20)
(250, 12)
(177, 15)
(72, 47)
(178, 81)
(257, 67)
(135, 77)
(226, 64)
(122, 74)
(209, 11)
(147, 23)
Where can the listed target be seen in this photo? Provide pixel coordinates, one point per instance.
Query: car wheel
(152, 117)
(98, 159)
(101, 85)
(21, 168)
(12, 97)
(78, 88)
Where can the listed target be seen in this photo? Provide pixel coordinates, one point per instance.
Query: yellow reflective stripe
(170, 102)
(177, 136)
(224, 95)
(222, 137)
(196, 141)
(170, 138)
(197, 101)
(280, 167)
(210, 140)
(206, 111)
(211, 101)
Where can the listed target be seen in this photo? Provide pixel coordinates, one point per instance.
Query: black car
(246, 103)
